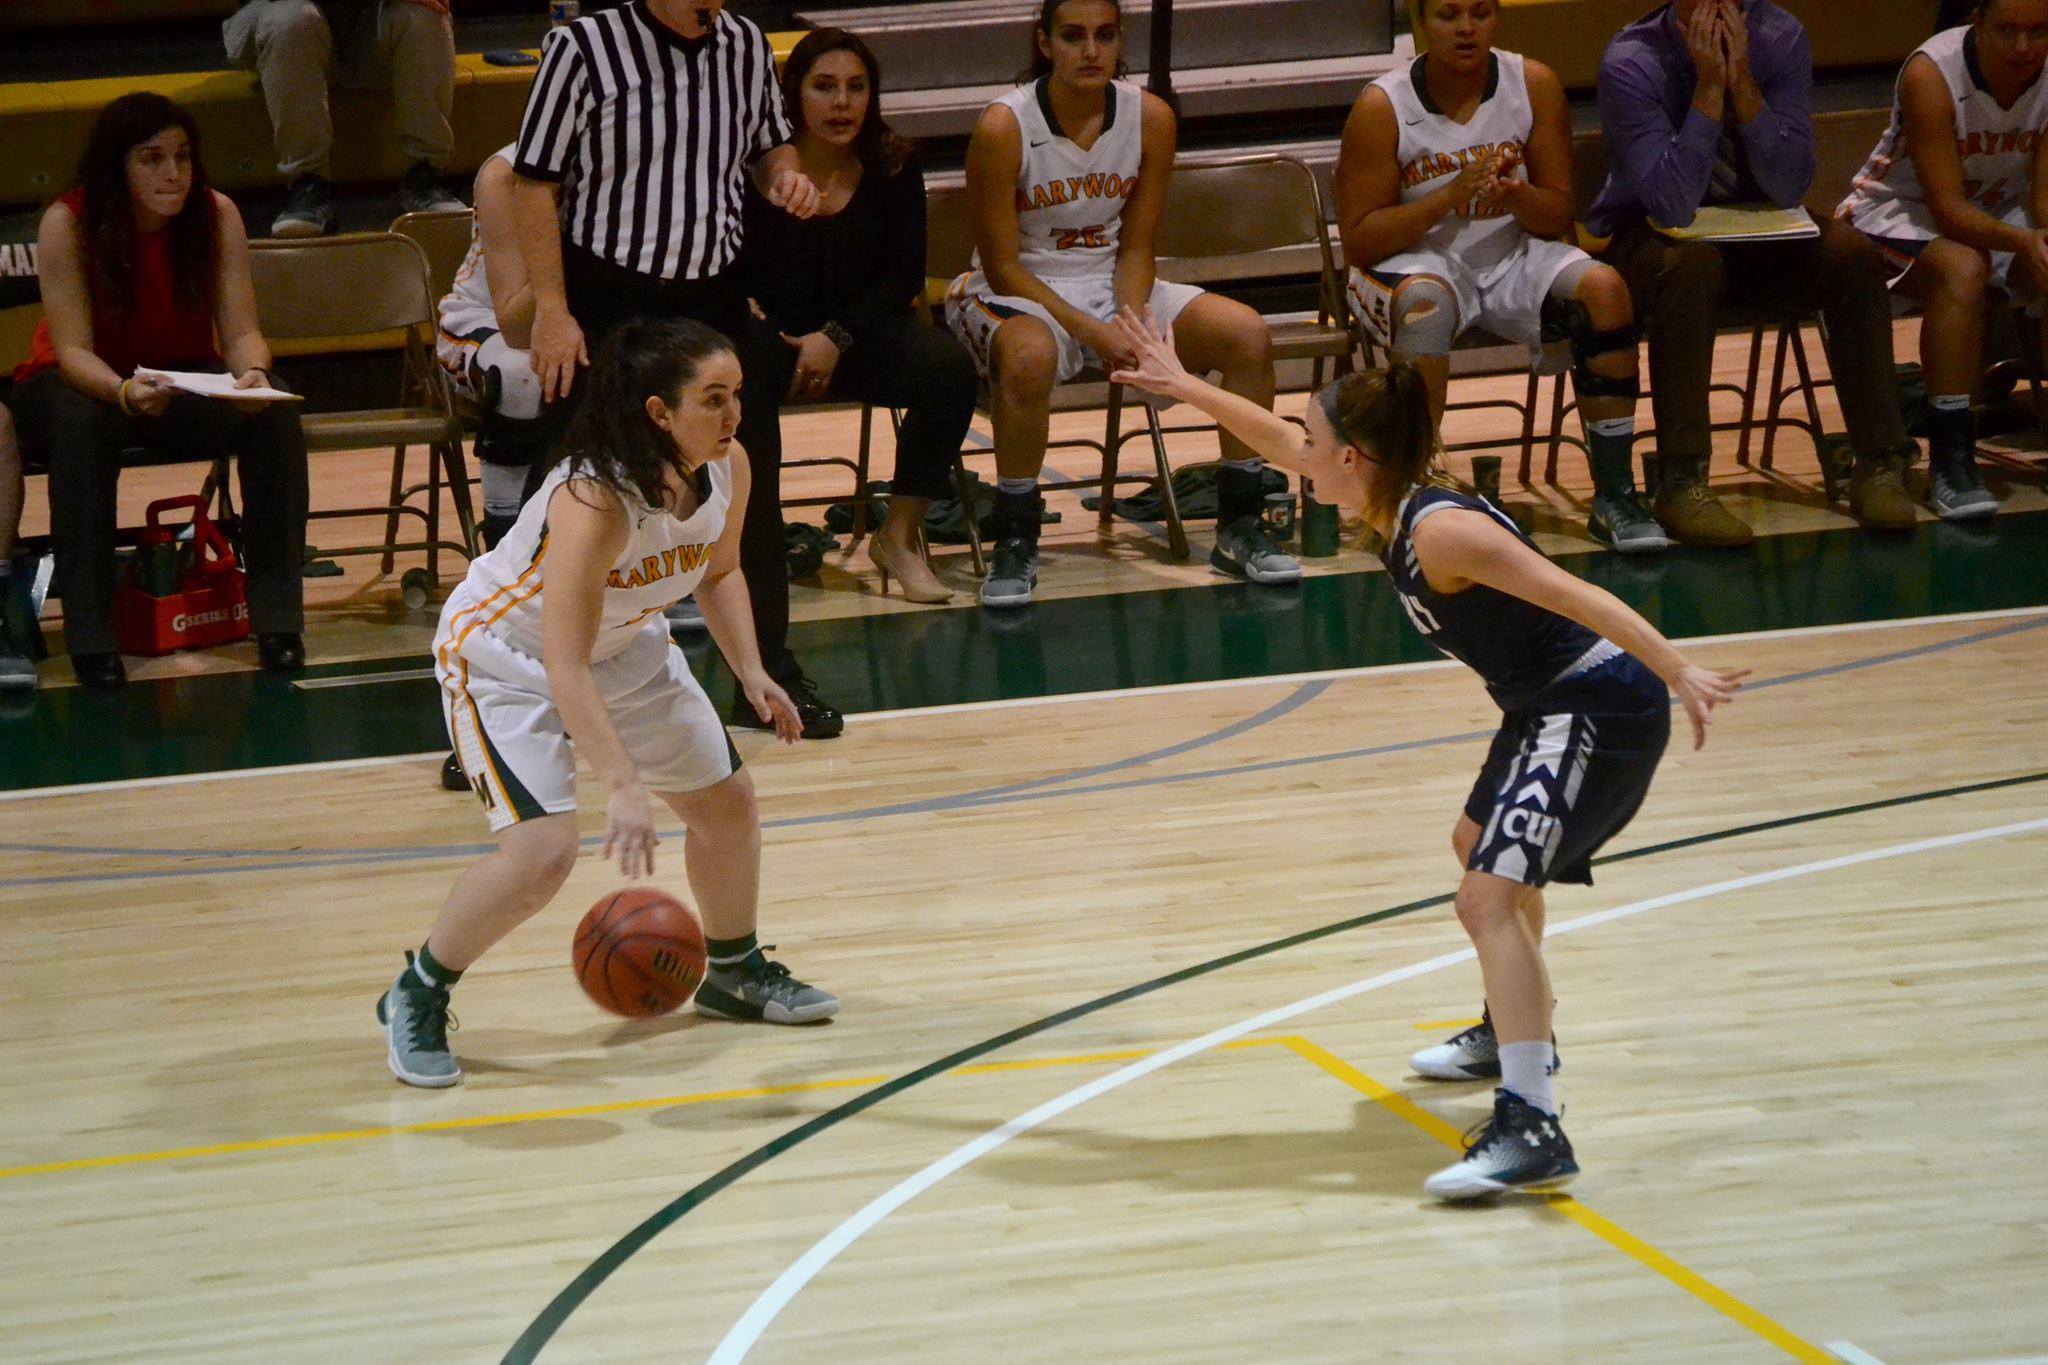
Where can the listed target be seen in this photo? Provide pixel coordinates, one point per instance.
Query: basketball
(639, 953)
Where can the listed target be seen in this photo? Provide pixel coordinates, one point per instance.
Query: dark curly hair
(108, 223)
(611, 440)
(878, 145)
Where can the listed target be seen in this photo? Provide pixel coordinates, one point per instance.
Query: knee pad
(1425, 317)
(514, 390)
(1570, 319)
(511, 441)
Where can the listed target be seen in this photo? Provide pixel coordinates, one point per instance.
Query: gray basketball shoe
(416, 1021)
(763, 992)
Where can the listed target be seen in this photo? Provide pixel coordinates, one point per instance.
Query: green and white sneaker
(416, 1021)
(762, 992)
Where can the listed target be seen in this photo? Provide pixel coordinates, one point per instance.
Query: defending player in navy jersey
(1581, 681)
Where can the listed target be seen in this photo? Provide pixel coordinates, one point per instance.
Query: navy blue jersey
(1516, 647)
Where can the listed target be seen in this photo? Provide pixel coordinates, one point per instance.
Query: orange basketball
(639, 953)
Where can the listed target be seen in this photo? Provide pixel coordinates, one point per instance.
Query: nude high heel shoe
(914, 576)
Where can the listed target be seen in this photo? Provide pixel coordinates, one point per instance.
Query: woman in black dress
(842, 288)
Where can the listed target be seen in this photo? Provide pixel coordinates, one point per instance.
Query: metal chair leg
(1111, 448)
(391, 517)
(434, 517)
(1756, 360)
(860, 473)
(1176, 534)
(1556, 429)
(1777, 391)
(1806, 387)
(964, 490)
(458, 490)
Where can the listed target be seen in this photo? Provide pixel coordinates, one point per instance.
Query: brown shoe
(1878, 498)
(1689, 511)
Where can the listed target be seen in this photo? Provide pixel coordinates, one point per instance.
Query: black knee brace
(1570, 319)
(512, 441)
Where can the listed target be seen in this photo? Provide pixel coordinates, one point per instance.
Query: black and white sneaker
(421, 191)
(760, 991)
(1245, 549)
(308, 209)
(1621, 521)
(1956, 488)
(1520, 1148)
(1473, 1055)
(1012, 574)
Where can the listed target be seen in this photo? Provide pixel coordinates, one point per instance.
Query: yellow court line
(1617, 1237)
(296, 1140)
(1432, 1025)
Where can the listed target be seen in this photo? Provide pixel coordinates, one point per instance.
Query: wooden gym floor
(1137, 907)
(1794, 1015)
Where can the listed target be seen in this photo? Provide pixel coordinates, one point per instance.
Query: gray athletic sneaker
(760, 991)
(1621, 520)
(1012, 574)
(17, 674)
(416, 1021)
(1958, 492)
(308, 209)
(685, 618)
(1244, 549)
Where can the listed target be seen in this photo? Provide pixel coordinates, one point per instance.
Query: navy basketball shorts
(1567, 774)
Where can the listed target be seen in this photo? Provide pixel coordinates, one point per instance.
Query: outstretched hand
(1154, 365)
(1700, 690)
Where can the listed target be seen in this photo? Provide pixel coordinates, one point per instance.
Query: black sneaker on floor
(308, 209)
(761, 991)
(1519, 1148)
(453, 779)
(820, 721)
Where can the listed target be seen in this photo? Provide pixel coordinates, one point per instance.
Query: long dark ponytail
(1387, 412)
(611, 439)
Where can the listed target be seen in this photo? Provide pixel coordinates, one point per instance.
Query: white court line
(764, 1310)
(1851, 1352)
(1019, 703)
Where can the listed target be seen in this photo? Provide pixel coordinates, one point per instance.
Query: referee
(642, 123)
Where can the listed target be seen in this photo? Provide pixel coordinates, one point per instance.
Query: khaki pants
(405, 48)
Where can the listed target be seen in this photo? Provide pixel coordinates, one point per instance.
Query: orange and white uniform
(494, 689)
(1070, 206)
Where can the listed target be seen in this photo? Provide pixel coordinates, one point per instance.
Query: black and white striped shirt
(652, 133)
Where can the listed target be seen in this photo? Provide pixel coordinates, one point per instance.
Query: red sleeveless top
(158, 333)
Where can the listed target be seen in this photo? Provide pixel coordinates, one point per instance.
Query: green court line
(226, 722)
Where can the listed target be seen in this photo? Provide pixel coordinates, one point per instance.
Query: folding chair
(369, 293)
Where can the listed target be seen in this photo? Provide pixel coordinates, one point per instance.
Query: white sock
(1016, 486)
(1526, 1068)
(503, 485)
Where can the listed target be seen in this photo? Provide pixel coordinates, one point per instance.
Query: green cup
(1318, 526)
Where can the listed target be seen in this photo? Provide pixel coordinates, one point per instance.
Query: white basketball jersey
(664, 559)
(1433, 150)
(1996, 146)
(1070, 203)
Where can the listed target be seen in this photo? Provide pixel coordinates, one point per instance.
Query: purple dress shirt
(1661, 150)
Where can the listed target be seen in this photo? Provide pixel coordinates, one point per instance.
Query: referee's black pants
(601, 296)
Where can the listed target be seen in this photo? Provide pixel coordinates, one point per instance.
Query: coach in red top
(142, 265)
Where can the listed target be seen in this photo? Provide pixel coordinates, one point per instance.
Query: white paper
(1746, 223)
(214, 386)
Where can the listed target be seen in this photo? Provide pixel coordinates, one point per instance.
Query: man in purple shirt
(1706, 102)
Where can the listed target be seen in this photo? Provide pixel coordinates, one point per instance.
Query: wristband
(837, 335)
(121, 397)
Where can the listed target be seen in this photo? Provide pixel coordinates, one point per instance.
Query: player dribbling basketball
(558, 633)
(1580, 678)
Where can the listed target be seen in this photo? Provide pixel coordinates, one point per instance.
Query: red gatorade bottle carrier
(180, 594)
